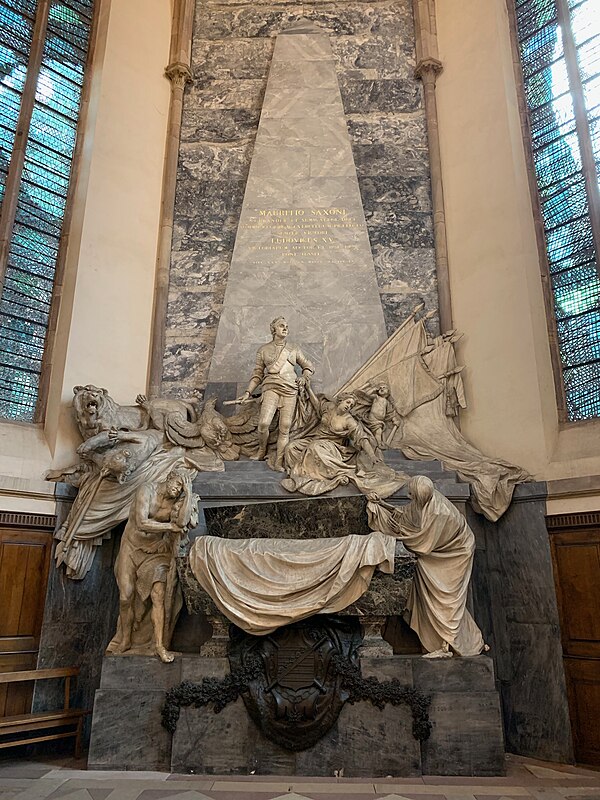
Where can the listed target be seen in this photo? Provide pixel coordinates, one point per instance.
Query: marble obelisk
(302, 250)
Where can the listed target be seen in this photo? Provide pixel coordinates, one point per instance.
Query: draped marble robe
(262, 584)
(432, 528)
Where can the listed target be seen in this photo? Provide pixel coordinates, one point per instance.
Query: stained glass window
(559, 43)
(43, 53)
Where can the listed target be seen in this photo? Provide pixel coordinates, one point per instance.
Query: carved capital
(179, 74)
(428, 68)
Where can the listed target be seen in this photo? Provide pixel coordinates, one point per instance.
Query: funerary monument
(300, 534)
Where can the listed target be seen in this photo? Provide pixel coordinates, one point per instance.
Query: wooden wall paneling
(576, 558)
(24, 563)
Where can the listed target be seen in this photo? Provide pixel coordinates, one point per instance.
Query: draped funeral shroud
(263, 584)
(444, 544)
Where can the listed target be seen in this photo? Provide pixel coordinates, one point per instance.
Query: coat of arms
(297, 697)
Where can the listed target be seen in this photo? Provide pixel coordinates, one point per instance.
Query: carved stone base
(373, 642)
(218, 645)
(466, 737)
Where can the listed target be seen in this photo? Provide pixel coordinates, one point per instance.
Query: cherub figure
(376, 409)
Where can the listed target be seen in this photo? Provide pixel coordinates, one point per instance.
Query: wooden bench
(44, 720)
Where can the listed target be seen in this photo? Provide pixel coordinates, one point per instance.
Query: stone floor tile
(291, 796)
(413, 780)
(256, 786)
(173, 792)
(392, 797)
(491, 797)
(545, 772)
(341, 789)
(478, 787)
(41, 789)
(249, 795)
(181, 794)
(283, 779)
(14, 784)
(13, 769)
(545, 792)
(98, 794)
(200, 782)
(463, 797)
(498, 796)
(530, 782)
(453, 790)
(108, 775)
(409, 790)
(380, 791)
(7, 792)
(318, 796)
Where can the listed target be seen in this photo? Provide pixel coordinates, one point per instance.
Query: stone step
(218, 488)
(392, 457)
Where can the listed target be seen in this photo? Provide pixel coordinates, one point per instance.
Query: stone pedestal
(466, 737)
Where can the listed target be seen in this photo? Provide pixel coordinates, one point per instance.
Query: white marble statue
(149, 594)
(437, 533)
(337, 450)
(275, 373)
(124, 448)
(376, 408)
(427, 390)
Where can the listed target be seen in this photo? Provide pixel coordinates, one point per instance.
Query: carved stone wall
(232, 50)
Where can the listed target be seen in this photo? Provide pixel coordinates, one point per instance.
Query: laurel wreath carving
(219, 692)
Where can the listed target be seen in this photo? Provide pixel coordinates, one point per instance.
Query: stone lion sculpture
(96, 411)
(123, 448)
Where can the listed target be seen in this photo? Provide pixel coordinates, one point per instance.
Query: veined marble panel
(372, 47)
(364, 95)
(219, 126)
(231, 58)
(228, 93)
(338, 19)
(387, 129)
(379, 56)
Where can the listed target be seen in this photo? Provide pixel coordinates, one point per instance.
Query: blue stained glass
(27, 293)
(561, 182)
(16, 30)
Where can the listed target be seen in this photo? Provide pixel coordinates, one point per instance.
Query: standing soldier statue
(275, 372)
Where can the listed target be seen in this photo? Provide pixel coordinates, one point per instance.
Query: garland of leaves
(219, 692)
(381, 692)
